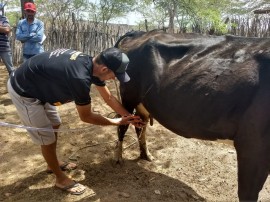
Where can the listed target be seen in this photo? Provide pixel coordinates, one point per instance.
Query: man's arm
(20, 35)
(118, 107)
(112, 101)
(86, 115)
(5, 30)
(4, 26)
(38, 34)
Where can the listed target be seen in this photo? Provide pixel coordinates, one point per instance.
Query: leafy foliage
(105, 10)
(182, 15)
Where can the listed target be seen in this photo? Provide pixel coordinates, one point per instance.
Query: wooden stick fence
(85, 37)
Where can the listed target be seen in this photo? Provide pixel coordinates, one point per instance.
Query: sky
(131, 19)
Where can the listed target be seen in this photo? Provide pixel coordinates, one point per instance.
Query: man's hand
(134, 120)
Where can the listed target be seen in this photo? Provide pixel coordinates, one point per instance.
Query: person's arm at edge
(5, 26)
(5, 29)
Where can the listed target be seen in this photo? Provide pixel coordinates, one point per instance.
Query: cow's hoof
(147, 157)
(117, 162)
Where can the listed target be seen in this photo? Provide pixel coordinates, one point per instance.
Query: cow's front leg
(144, 152)
(141, 133)
(121, 130)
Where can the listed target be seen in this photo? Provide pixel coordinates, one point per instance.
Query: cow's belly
(219, 129)
(195, 120)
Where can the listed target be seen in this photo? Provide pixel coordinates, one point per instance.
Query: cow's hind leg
(253, 166)
(141, 133)
(252, 144)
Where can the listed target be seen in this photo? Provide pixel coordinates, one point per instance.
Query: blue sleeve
(38, 34)
(19, 33)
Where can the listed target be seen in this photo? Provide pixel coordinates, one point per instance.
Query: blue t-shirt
(56, 77)
(31, 36)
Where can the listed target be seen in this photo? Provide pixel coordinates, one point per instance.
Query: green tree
(170, 8)
(190, 14)
(12, 11)
(105, 10)
(209, 15)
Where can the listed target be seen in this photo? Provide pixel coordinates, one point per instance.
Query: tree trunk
(171, 22)
(146, 25)
(172, 11)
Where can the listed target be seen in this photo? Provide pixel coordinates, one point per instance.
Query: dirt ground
(183, 169)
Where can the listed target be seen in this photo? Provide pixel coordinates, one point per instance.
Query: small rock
(7, 194)
(231, 151)
(157, 192)
(195, 197)
(73, 143)
(126, 195)
(202, 179)
(17, 184)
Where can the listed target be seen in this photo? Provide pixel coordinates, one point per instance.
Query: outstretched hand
(134, 120)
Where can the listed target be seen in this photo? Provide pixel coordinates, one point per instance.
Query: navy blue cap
(117, 61)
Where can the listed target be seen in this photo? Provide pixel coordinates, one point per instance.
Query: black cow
(207, 88)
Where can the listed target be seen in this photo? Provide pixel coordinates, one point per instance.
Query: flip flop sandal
(69, 187)
(64, 167)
